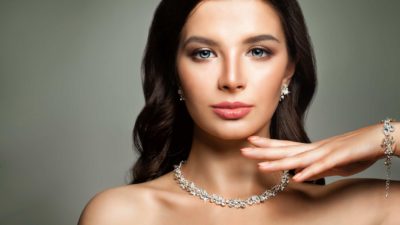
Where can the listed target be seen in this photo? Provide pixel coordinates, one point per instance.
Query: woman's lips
(231, 110)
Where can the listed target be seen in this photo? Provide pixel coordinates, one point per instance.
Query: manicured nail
(298, 176)
(247, 149)
(265, 165)
(254, 138)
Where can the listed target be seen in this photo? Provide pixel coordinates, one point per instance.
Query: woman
(226, 85)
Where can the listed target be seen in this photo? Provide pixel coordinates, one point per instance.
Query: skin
(236, 158)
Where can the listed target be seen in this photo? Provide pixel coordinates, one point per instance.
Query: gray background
(70, 92)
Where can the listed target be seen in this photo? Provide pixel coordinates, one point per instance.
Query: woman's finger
(350, 169)
(275, 153)
(314, 170)
(318, 176)
(327, 164)
(267, 142)
(301, 160)
(274, 149)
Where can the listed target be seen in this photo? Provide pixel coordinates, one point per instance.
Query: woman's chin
(233, 134)
(232, 130)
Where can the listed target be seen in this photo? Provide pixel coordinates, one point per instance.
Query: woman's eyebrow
(261, 37)
(250, 40)
(201, 40)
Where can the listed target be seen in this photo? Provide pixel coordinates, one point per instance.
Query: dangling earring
(284, 91)
(180, 93)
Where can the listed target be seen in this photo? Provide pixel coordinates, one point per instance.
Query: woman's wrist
(390, 139)
(396, 136)
(389, 145)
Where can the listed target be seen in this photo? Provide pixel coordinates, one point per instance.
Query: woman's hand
(342, 155)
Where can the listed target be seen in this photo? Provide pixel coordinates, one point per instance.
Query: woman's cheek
(197, 85)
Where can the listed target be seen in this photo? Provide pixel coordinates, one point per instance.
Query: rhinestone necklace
(190, 187)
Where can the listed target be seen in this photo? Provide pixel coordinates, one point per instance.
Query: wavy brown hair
(163, 130)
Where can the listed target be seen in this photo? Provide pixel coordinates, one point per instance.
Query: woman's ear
(290, 70)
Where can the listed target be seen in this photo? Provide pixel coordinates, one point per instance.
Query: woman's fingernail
(265, 165)
(253, 138)
(298, 176)
(247, 149)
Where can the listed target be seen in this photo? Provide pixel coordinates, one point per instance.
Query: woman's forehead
(233, 20)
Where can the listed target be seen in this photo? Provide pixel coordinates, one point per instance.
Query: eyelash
(196, 53)
(265, 52)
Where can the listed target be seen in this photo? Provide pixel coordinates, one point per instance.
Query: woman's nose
(231, 78)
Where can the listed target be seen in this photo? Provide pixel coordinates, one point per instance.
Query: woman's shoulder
(359, 187)
(350, 186)
(354, 195)
(368, 191)
(118, 205)
(129, 204)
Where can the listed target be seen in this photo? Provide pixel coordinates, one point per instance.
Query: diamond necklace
(190, 187)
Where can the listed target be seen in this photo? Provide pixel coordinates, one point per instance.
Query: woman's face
(230, 52)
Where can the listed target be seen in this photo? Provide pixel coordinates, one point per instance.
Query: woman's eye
(203, 54)
(259, 52)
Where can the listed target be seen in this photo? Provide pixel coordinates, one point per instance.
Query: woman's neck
(218, 166)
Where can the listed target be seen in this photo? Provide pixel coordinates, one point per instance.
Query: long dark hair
(163, 130)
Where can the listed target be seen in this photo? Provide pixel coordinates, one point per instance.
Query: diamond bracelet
(388, 145)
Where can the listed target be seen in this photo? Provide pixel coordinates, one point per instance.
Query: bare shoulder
(128, 204)
(119, 205)
(361, 186)
(347, 199)
(367, 195)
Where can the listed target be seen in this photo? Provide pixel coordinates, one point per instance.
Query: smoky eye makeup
(200, 53)
(259, 52)
(203, 53)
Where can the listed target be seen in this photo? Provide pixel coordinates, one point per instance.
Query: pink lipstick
(231, 110)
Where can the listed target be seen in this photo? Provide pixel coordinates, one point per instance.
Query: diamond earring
(284, 91)
(180, 93)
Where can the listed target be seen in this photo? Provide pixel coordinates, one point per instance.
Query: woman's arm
(343, 155)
